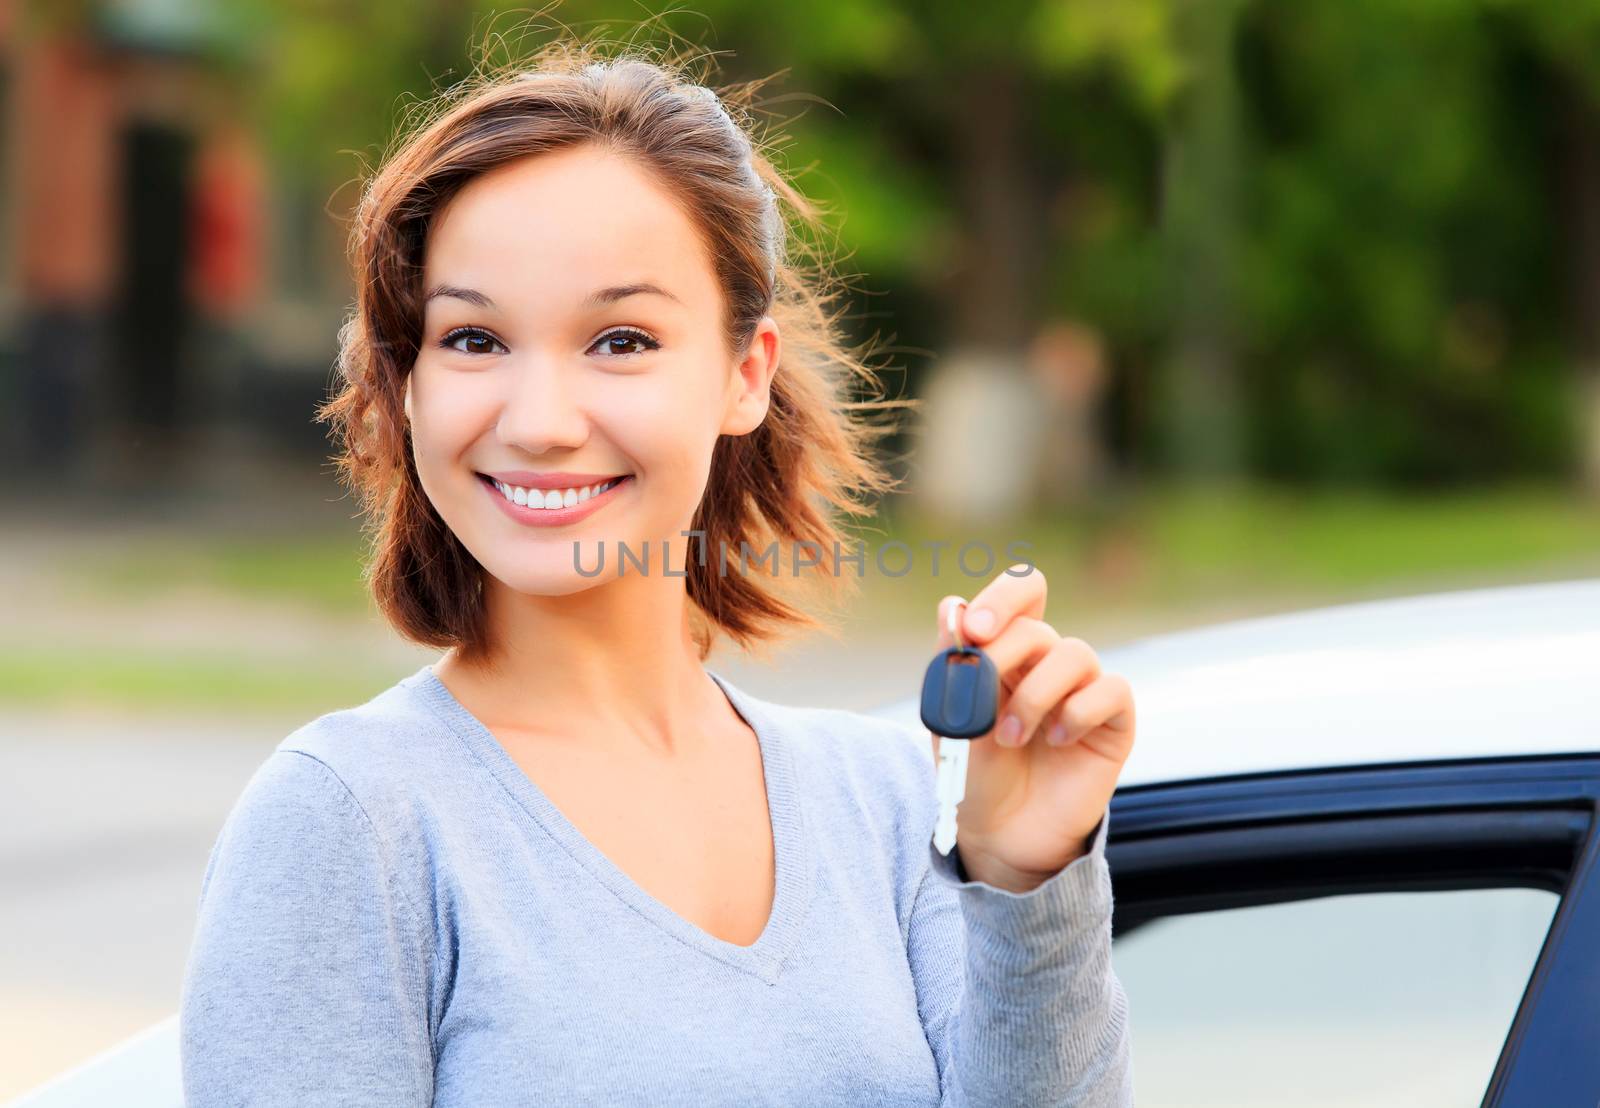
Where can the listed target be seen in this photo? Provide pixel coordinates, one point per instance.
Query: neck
(614, 664)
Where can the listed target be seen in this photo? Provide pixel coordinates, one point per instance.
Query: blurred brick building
(137, 282)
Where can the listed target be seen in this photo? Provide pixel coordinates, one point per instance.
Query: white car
(1354, 856)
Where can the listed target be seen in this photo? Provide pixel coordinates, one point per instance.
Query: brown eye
(478, 341)
(626, 341)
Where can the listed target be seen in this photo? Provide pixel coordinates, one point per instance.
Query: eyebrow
(597, 299)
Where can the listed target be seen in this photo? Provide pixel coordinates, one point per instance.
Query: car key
(960, 695)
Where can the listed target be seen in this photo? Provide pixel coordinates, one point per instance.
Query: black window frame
(1525, 821)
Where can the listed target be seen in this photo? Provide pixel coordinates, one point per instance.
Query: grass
(223, 682)
(321, 571)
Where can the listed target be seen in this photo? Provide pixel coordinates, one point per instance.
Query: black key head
(960, 693)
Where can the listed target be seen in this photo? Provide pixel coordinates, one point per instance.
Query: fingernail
(1056, 735)
(1010, 731)
(980, 621)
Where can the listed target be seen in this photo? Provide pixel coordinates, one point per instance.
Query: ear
(408, 398)
(752, 381)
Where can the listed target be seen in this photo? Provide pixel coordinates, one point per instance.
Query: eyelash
(618, 332)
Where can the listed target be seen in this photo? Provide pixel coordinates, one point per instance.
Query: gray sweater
(394, 914)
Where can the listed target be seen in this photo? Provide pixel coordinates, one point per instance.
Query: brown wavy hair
(812, 461)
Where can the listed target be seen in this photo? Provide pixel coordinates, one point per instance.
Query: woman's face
(573, 337)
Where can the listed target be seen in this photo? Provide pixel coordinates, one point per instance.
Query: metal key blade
(952, 787)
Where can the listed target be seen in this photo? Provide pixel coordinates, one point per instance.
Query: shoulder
(294, 815)
(350, 787)
(393, 757)
(884, 750)
(393, 735)
(864, 762)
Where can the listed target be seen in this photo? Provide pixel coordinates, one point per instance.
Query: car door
(1410, 934)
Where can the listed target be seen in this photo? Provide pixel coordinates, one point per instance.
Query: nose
(541, 411)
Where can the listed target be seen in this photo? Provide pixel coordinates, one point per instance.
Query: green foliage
(1401, 274)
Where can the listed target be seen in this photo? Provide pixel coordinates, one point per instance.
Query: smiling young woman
(567, 863)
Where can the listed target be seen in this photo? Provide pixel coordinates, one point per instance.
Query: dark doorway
(152, 312)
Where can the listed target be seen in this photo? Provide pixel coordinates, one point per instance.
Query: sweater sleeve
(1017, 992)
(307, 979)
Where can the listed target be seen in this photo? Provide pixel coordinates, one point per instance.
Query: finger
(1019, 647)
(944, 620)
(1069, 665)
(1105, 702)
(1002, 600)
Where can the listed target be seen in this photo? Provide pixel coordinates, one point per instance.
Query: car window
(1369, 1000)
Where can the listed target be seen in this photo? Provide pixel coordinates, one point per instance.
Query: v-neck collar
(793, 877)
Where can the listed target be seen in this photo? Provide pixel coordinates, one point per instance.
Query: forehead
(552, 227)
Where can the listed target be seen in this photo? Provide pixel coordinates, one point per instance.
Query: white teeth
(551, 498)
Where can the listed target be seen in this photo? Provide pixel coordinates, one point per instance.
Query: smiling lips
(552, 499)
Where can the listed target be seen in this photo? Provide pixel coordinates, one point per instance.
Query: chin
(532, 582)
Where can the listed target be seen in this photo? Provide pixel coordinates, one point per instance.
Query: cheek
(445, 421)
(668, 426)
